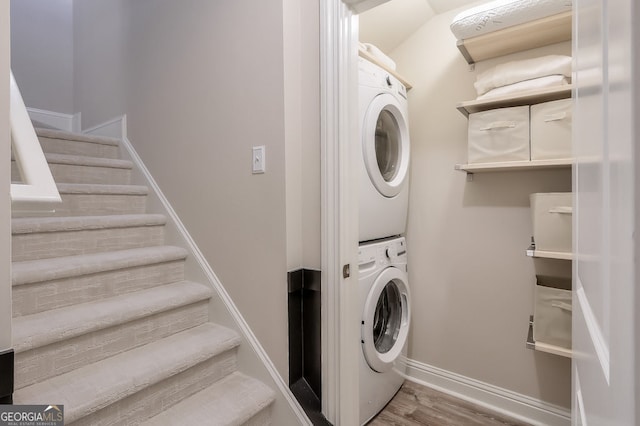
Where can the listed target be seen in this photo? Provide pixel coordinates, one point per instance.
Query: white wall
(5, 178)
(472, 285)
(99, 59)
(310, 140)
(42, 53)
(201, 83)
(302, 133)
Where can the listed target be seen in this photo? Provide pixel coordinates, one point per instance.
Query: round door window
(385, 320)
(385, 145)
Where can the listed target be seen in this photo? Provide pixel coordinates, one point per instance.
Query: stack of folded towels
(518, 76)
(373, 50)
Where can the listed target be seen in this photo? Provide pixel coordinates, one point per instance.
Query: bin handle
(500, 125)
(562, 305)
(555, 117)
(561, 210)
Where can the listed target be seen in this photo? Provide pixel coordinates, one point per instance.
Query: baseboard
(68, 122)
(518, 406)
(117, 127)
(114, 128)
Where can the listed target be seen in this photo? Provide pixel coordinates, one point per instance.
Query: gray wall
(42, 53)
(5, 178)
(201, 83)
(472, 285)
(302, 132)
(101, 31)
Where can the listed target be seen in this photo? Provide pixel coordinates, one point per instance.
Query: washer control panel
(386, 252)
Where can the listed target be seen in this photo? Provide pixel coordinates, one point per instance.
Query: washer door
(385, 145)
(386, 317)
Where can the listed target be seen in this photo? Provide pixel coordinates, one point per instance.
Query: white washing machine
(384, 163)
(385, 303)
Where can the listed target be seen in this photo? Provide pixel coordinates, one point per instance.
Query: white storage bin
(552, 312)
(552, 214)
(499, 135)
(551, 130)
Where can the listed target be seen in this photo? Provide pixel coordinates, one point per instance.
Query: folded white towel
(527, 69)
(500, 14)
(523, 86)
(378, 54)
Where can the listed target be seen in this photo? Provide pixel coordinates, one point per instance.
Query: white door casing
(339, 213)
(604, 176)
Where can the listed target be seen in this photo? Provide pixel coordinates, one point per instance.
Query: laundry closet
(475, 278)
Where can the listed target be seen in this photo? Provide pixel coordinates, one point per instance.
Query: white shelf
(528, 97)
(545, 347)
(515, 165)
(549, 254)
(541, 32)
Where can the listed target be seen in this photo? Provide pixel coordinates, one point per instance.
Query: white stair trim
(68, 122)
(117, 127)
(522, 407)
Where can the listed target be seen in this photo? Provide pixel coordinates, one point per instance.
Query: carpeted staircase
(104, 321)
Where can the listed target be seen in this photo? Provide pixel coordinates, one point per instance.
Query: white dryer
(385, 303)
(384, 163)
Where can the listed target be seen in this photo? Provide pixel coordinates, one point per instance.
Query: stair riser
(38, 297)
(69, 243)
(156, 398)
(69, 173)
(263, 418)
(62, 146)
(41, 363)
(96, 204)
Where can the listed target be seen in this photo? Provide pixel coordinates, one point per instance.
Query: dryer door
(385, 321)
(385, 144)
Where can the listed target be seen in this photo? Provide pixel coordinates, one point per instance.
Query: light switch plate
(258, 159)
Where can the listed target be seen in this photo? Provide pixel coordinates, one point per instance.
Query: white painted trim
(339, 220)
(38, 190)
(504, 401)
(67, 122)
(117, 127)
(5, 176)
(598, 340)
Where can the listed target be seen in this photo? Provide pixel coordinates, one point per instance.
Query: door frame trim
(339, 220)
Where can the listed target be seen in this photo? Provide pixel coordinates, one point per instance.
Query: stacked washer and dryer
(382, 264)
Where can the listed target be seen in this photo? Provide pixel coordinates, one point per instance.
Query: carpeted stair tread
(80, 223)
(83, 160)
(37, 330)
(90, 388)
(98, 189)
(230, 401)
(31, 271)
(80, 137)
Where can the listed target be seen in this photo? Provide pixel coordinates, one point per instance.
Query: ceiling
(392, 22)
(441, 6)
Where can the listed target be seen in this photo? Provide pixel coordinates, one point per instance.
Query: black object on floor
(6, 376)
(310, 402)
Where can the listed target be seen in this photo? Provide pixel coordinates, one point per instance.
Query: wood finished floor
(416, 405)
